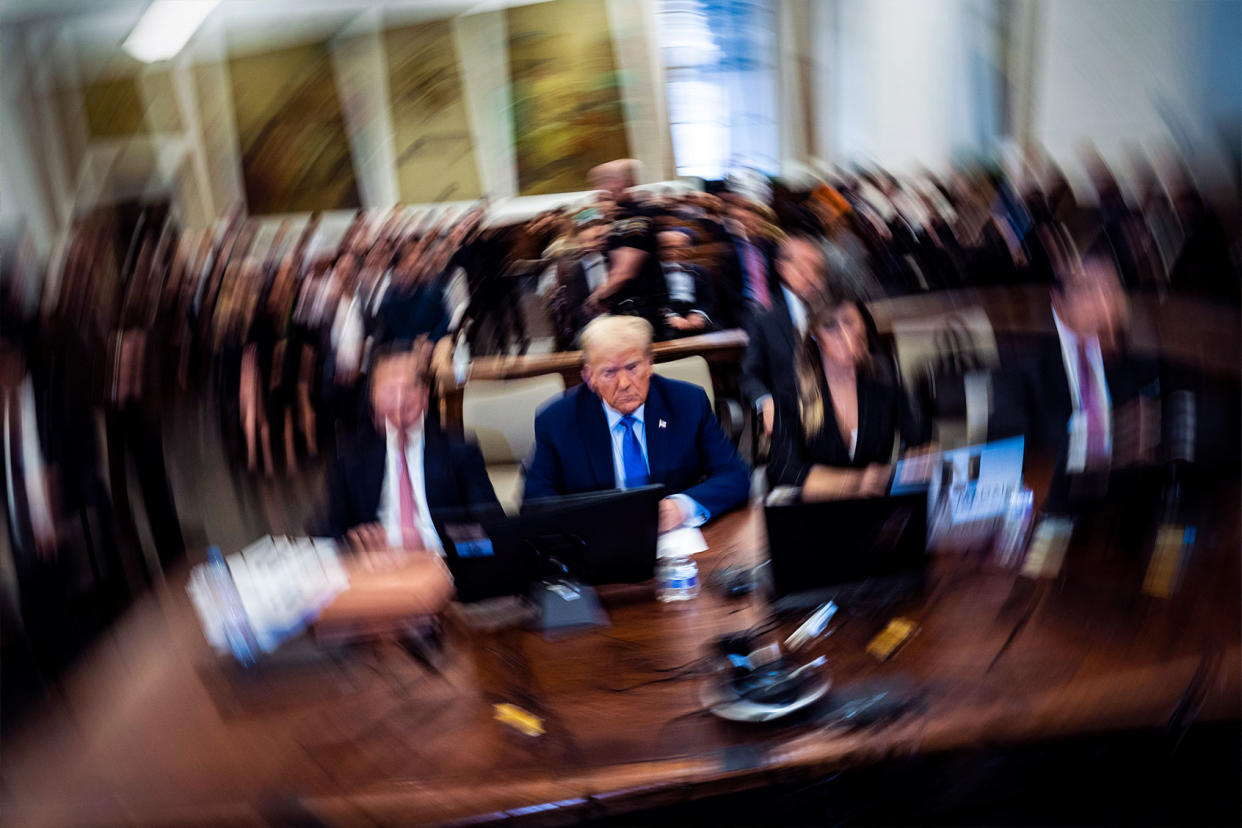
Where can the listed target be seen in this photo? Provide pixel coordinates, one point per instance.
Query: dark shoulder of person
(633, 226)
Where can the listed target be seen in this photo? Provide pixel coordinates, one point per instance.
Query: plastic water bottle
(677, 579)
(1011, 539)
(228, 602)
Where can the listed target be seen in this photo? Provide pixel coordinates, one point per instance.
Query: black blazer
(767, 364)
(884, 412)
(1032, 394)
(406, 313)
(453, 472)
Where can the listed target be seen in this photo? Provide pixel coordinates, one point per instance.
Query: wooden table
(154, 728)
(722, 349)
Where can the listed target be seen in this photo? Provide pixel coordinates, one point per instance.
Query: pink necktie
(1089, 395)
(758, 277)
(411, 538)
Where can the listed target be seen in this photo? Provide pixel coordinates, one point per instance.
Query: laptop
(484, 561)
(845, 550)
(606, 537)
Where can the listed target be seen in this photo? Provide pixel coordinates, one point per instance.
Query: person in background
(767, 365)
(749, 274)
(1064, 393)
(635, 284)
(412, 303)
(585, 276)
(382, 490)
(833, 437)
(691, 298)
(624, 428)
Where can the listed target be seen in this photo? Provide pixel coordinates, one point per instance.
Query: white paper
(282, 584)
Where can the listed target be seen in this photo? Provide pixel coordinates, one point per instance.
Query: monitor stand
(565, 604)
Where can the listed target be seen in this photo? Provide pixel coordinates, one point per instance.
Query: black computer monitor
(484, 562)
(597, 538)
(829, 548)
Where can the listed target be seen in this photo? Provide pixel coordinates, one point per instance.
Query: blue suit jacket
(689, 454)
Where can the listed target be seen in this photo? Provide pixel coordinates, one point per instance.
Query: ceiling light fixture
(165, 27)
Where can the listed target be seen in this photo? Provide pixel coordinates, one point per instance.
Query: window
(720, 77)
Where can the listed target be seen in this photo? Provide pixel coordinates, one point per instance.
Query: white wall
(905, 87)
(1133, 73)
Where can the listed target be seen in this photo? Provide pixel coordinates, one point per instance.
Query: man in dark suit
(691, 304)
(768, 364)
(748, 278)
(384, 490)
(1078, 397)
(625, 427)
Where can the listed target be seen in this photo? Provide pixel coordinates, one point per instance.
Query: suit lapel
(438, 481)
(658, 421)
(786, 325)
(370, 476)
(1055, 370)
(596, 443)
(867, 393)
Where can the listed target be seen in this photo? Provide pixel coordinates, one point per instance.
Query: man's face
(621, 377)
(398, 391)
(801, 267)
(1092, 302)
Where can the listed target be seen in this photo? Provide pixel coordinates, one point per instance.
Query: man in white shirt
(691, 300)
(767, 366)
(384, 490)
(1080, 395)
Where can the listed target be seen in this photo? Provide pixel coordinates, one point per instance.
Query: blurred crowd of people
(136, 314)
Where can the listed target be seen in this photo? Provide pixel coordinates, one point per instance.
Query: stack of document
(274, 589)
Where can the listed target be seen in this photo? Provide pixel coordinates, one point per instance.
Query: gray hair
(617, 332)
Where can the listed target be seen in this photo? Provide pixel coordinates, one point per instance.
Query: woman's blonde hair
(808, 361)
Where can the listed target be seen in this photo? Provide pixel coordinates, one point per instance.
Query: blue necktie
(632, 455)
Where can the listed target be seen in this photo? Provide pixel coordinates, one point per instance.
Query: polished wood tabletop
(154, 728)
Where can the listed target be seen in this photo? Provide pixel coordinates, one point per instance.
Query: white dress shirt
(348, 334)
(697, 514)
(1069, 355)
(797, 311)
(390, 498)
(680, 283)
(596, 270)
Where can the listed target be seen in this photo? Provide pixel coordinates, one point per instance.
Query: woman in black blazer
(835, 437)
